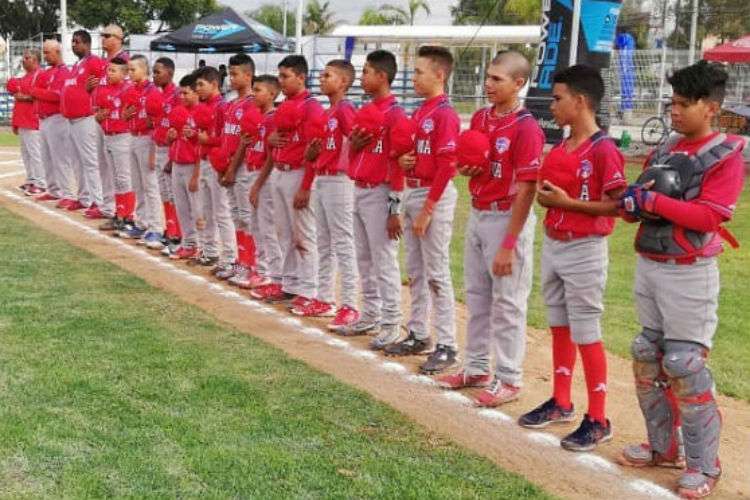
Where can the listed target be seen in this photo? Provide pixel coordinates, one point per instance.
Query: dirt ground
(493, 434)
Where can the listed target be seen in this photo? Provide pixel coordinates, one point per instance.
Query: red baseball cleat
(65, 203)
(345, 317)
(497, 394)
(46, 197)
(315, 309)
(93, 212)
(34, 190)
(270, 293)
(299, 302)
(461, 379)
(184, 253)
(75, 205)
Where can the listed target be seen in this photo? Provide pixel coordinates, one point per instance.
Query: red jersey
(373, 164)
(339, 121)
(24, 115)
(438, 126)
(75, 99)
(720, 188)
(257, 153)
(47, 89)
(139, 123)
(161, 122)
(516, 146)
(185, 151)
(597, 168)
(114, 123)
(231, 117)
(293, 153)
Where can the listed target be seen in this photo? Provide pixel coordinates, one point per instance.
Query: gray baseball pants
(106, 176)
(83, 135)
(146, 184)
(31, 153)
(58, 170)
(186, 202)
(218, 217)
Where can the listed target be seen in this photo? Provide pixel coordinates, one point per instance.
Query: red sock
(250, 246)
(595, 370)
(241, 248)
(119, 206)
(177, 229)
(168, 222)
(129, 202)
(563, 361)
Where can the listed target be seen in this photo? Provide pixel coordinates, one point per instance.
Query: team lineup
(297, 201)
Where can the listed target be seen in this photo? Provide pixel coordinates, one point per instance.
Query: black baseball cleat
(441, 359)
(546, 413)
(410, 346)
(589, 434)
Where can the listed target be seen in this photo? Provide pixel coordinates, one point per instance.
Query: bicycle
(657, 128)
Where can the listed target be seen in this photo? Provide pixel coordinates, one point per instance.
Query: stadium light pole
(298, 26)
(575, 33)
(693, 32)
(64, 27)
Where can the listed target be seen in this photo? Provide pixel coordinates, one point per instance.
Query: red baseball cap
(473, 149)
(288, 116)
(219, 158)
(370, 118)
(178, 117)
(154, 103)
(402, 136)
(251, 120)
(314, 128)
(13, 85)
(204, 116)
(561, 169)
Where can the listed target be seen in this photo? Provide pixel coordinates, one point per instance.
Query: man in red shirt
(581, 181)
(677, 280)
(499, 241)
(295, 219)
(25, 123)
(334, 201)
(378, 185)
(76, 104)
(117, 143)
(429, 206)
(56, 154)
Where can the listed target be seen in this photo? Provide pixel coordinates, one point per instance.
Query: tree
(635, 21)
(273, 16)
(318, 18)
(24, 20)
(176, 13)
(726, 19)
(491, 12)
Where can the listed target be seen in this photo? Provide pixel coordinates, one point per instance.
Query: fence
(632, 80)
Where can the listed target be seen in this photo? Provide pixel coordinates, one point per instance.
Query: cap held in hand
(402, 136)
(370, 119)
(473, 149)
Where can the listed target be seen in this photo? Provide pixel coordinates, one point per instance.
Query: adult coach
(77, 108)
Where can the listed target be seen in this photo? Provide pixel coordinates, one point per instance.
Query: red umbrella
(737, 51)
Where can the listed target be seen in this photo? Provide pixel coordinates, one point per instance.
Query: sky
(348, 11)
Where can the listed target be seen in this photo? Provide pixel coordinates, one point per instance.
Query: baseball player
(112, 40)
(76, 106)
(237, 179)
(499, 240)
(117, 142)
(148, 226)
(25, 123)
(581, 181)
(378, 187)
(429, 205)
(162, 75)
(185, 167)
(54, 128)
(334, 201)
(265, 90)
(294, 215)
(677, 279)
(214, 196)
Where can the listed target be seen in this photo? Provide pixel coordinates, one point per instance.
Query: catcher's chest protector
(661, 237)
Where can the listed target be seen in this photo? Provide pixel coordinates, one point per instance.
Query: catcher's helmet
(669, 178)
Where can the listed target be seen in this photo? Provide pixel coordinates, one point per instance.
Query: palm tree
(407, 15)
(372, 16)
(318, 18)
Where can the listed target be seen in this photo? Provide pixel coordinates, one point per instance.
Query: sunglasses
(107, 35)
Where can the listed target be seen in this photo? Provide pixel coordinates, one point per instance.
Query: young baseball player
(25, 123)
(334, 201)
(163, 73)
(77, 108)
(294, 216)
(499, 240)
(237, 178)
(429, 205)
(266, 89)
(54, 128)
(677, 279)
(117, 142)
(581, 181)
(214, 196)
(185, 167)
(148, 225)
(378, 186)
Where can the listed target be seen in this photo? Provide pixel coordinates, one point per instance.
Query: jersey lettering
(378, 147)
(423, 147)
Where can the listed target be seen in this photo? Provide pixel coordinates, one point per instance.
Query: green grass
(8, 138)
(112, 388)
(732, 342)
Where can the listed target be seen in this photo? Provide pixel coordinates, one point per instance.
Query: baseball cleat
(411, 345)
(255, 280)
(65, 203)
(695, 484)
(461, 380)
(262, 292)
(362, 326)
(641, 455)
(224, 271)
(93, 212)
(298, 302)
(46, 197)
(589, 434)
(388, 334)
(34, 190)
(498, 393)
(152, 241)
(547, 413)
(442, 358)
(109, 225)
(345, 317)
(315, 309)
(75, 205)
(184, 253)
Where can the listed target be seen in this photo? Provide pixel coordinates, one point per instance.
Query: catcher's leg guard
(651, 389)
(692, 383)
